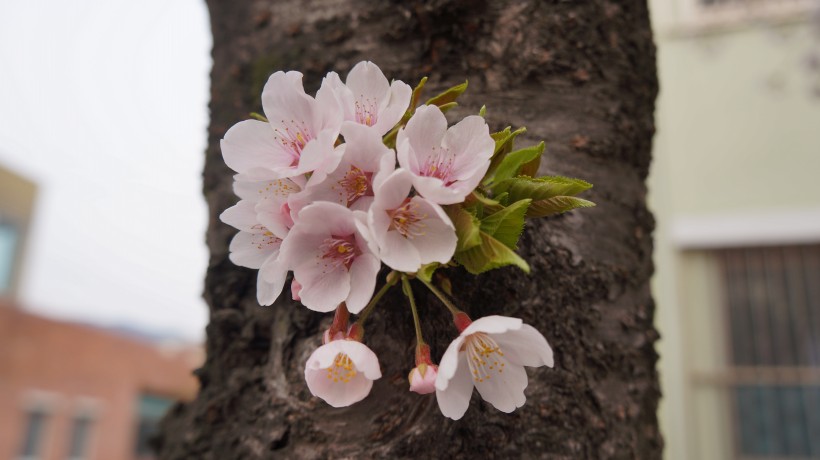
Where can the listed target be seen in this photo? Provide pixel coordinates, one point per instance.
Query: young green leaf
(259, 116)
(540, 188)
(513, 161)
(426, 271)
(447, 96)
(506, 225)
(467, 227)
(503, 145)
(556, 205)
(490, 254)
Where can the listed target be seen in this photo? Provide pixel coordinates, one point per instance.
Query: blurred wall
(737, 153)
(17, 196)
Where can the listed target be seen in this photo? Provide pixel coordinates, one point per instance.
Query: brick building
(76, 392)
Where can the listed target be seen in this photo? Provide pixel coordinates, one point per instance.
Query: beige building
(735, 190)
(17, 198)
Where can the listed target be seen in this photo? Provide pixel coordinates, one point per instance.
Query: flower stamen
(342, 369)
(338, 252)
(407, 220)
(483, 356)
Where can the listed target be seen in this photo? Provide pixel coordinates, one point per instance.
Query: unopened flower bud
(295, 288)
(423, 378)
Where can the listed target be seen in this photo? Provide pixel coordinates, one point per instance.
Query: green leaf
(513, 161)
(447, 96)
(488, 255)
(506, 225)
(557, 205)
(426, 271)
(467, 227)
(483, 111)
(503, 145)
(259, 116)
(540, 188)
(445, 107)
(479, 203)
(414, 100)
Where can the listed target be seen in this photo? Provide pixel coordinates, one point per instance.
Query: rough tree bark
(580, 75)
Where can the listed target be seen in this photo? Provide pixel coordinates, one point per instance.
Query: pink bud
(423, 378)
(295, 288)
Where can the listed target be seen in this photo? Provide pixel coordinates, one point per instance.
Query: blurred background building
(69, 390)
(735, 190)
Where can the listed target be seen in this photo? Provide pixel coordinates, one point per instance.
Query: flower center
(484, 356)
(407, 220)
(355, 184)
(342, 369)
(439, 164)
(293, 136)
(338, 251)
(366, 112)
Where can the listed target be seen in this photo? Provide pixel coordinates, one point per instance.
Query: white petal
(366, 80)
(390, 115)
(339, 393)
(398, 253)
(326, 218)
(424, 130)
(251, 250)
(274, 190)
(454, 400)
(251, 144)
(325, 292)
(363, 358)
(365, 148)
(433, 189)
(394, 190)
(525, 347)
(493, 324)
(319, 155)
(284, 101)
(449, 363)
(242, 216)
(505, 391)
(438, 243)
(363, 273)
(301, 248)
(270, 281)
(470, 140)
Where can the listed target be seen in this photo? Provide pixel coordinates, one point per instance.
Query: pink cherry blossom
(490, 355)
(298, 138)
(255, 246)
(409, 231)
(330, 258)
(341, 372)
(446, 164)
(351, 183)
(369, 99)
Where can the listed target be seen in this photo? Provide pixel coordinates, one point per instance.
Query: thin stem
(390, 281)
(408, 291)
(453, 309)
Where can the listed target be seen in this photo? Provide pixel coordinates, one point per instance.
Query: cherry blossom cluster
(362, 175)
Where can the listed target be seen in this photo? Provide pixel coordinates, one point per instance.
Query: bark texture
(580, 75)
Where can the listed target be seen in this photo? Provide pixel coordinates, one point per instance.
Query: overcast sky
(103, 103)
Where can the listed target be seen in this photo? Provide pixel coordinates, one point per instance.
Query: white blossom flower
(409, 231)
(423, 378)
(255, 246)
(298, 138)
(330, 258)
(447, 164)
(341, 372)
(490, 355)
(369, 99)
(351, 183)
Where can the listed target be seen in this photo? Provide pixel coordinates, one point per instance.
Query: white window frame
(695, 15)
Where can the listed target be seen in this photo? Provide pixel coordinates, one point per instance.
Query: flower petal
(363, 358)
(390, 115)
(251, 250)
(449, 363)
(454, 400)
(366, 80)
(493, 324)
(398, 253)
(325, 292)
(270, 281)
(525, 347)
(425, 130)
(338, 393)
(251, 144)
(505, 391)
(363, 273)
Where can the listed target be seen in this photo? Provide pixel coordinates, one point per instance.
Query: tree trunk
(580, 75)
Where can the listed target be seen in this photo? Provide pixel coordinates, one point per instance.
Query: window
(773, 303)
(753, 330)
(151, 409)
(80, 433)
(8, 253)
(36, 421)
